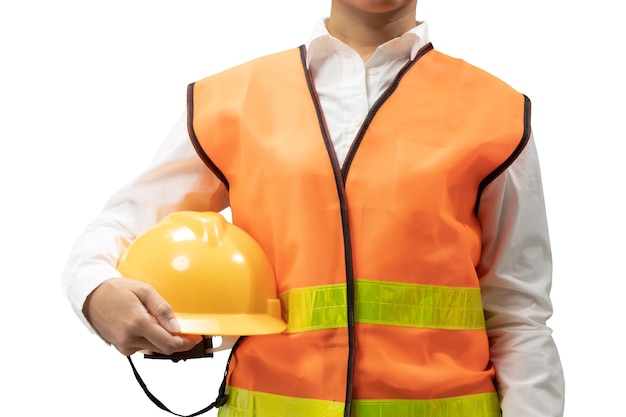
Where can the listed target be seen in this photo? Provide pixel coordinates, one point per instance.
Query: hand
(132, 316)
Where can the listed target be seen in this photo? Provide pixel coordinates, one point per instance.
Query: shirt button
(373, 71)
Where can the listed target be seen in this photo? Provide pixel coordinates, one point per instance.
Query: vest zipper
(339, 182)
(340, 174)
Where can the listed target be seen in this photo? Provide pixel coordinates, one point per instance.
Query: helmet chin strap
(203, 349)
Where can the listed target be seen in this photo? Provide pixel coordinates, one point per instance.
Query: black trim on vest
(196, 143)
(516, 153)
(381, 100)
(347, 240)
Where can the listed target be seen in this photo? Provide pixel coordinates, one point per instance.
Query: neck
(364, 31)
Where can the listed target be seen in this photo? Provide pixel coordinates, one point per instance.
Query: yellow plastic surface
(215, 276)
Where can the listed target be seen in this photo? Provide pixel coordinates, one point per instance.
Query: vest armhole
(196, 143)
(516, 152)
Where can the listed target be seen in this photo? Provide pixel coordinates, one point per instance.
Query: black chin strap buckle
(202, 350)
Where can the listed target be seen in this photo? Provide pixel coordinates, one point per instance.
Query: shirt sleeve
(516, 277)
(176, 179)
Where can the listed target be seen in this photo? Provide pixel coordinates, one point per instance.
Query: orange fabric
(421, 363)
(308, 364)
(409, 196)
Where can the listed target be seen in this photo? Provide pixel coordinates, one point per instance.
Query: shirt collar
(322, 44)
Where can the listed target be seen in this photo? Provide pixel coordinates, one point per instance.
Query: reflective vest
(375, 260)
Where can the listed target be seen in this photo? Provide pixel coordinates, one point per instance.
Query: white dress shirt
(515, 269)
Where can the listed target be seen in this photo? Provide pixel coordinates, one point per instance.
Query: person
(397, 192)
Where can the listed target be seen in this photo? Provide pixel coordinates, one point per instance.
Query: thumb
(159, 309)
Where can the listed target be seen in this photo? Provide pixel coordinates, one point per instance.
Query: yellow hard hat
(214, 275)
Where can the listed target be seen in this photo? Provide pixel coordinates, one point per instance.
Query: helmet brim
(230, 324)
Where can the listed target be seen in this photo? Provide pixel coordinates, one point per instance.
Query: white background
(88, 89)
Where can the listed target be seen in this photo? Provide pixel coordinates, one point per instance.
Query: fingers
(156, 339)
(132, 316)
(146, 346)
(158, 308)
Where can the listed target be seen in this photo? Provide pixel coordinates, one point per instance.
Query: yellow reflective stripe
(386, 303)
(414, 305)
(315, 308)
(244, 403)
(477, 405)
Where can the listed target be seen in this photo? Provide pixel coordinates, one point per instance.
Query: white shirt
(515, 269)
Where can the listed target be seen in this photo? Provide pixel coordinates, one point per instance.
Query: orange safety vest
(375, 260)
